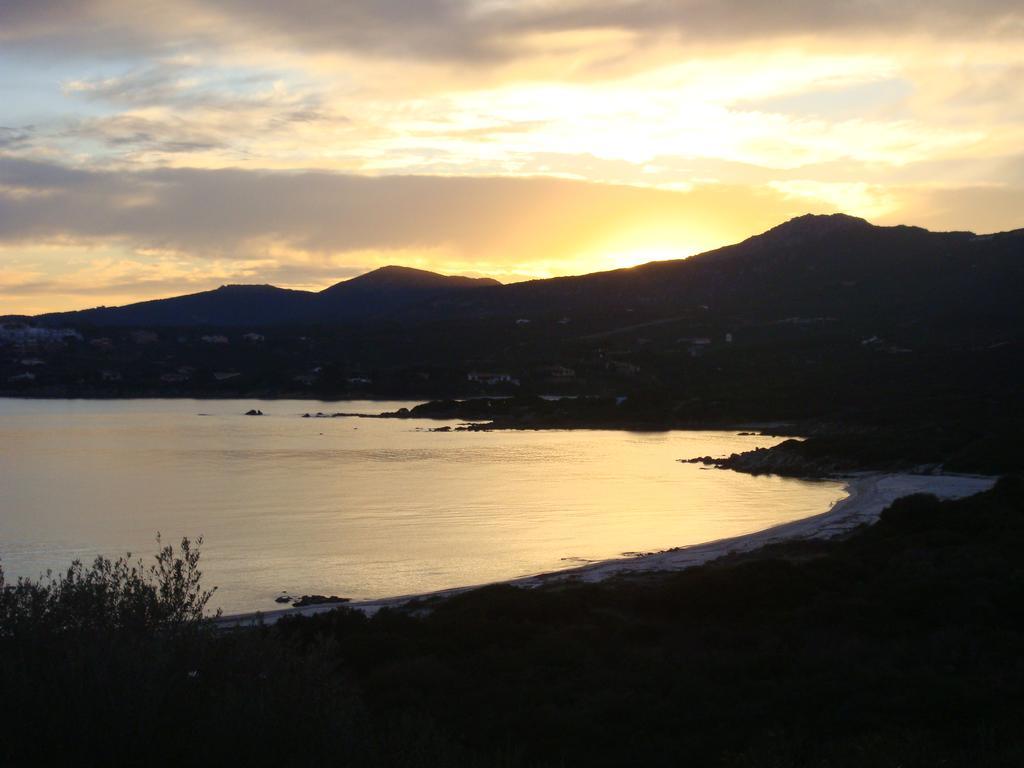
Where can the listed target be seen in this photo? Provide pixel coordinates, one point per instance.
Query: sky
(150, 149)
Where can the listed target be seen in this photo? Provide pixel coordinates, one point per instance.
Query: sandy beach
(868, 495)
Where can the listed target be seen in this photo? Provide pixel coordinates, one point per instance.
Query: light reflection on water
(359, 507)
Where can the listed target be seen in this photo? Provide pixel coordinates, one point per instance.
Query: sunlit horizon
(145, 155)
(608, 261)
(615, 254)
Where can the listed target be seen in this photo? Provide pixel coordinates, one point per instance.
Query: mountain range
(373, 295)
(834, 266)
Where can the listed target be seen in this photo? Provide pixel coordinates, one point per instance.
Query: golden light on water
(373, 511)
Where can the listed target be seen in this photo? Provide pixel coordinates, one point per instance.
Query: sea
(360, 507)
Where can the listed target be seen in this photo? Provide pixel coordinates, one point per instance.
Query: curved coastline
(867, 495)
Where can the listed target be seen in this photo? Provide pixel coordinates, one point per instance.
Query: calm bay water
(359, 507)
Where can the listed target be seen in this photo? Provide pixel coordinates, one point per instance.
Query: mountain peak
(811, 227)
(396, 270)
(248, 288)
(393, 276)
(822, 224)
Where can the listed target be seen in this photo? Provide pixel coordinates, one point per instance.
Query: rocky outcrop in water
(306, 600)
(788, 458)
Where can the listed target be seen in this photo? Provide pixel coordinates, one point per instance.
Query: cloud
(475, 30)
(979, 208)
(173, 108)
(846, 102)
(752, 19)
(170, 134)
(50, 29)
(12, 138)
(225, 211)
(160, 84)
(186, 84)
(35, 176)
(176, 138)
(115, 236)
(125, 235)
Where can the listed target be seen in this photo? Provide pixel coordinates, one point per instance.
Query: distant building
(21, 333)
(490, 379)
(695, 345)
(622, 368)
(694, 340)
(557, 372)
(805, 320)
(144, 337)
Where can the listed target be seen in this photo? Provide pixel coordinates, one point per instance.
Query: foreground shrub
(121, 594)
(117, 663)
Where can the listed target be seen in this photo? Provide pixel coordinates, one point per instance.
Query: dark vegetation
(900, 645)
(114, 664)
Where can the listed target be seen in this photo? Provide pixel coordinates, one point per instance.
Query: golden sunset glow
(160, 152)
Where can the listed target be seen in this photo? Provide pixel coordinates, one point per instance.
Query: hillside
(365, 297)
(384, 291)
(820, 318)
(836, 267)
(812, 266)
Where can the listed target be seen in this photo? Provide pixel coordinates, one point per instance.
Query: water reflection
(359, 507)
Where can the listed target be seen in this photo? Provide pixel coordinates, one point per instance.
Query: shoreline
(481, 424)
(265, 398)
(868, 493)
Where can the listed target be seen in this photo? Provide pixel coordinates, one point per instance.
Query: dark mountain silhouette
(228, 305)
(811, 266)
(375, 294)
(390, 289)
(834, 266)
